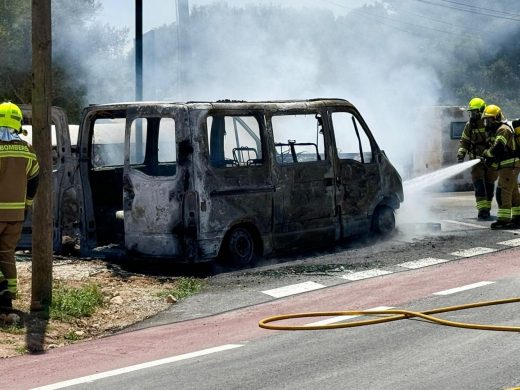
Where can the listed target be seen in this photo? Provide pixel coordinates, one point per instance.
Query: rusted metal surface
(192, 181)
(64, 199)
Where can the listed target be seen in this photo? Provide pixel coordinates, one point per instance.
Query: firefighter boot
(484, 215)
(6, 299)
(501, 224)
(515, 223)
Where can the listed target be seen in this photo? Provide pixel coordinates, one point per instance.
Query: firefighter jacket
(475, 139)
(503, 152)
(19, 172)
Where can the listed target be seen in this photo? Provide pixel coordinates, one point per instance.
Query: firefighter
(19, 171)
(474, 140)
(503, 155)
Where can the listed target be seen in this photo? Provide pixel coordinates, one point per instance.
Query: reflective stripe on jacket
(19, 172)
(475, 139)
(504, 148)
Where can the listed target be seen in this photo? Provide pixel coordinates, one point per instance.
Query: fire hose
(388, 316)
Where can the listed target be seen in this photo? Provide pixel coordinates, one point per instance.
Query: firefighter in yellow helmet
(19, 171)
(503, 155)
(474, 140)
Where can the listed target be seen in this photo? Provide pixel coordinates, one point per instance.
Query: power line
(382, 18)
(472, 11)
(482, 8)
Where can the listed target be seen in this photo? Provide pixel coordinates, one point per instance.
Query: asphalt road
(212, 340)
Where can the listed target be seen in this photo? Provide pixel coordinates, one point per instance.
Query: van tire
(383, 221)
(241, 248)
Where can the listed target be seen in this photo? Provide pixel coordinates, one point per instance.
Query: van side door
(236, 188)
(304, 199)
(358, 179)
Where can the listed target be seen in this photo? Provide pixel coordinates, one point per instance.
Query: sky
(299, 58)
(300, 53)
(120, 13)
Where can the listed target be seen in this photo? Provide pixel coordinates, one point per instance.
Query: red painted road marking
(235, 327)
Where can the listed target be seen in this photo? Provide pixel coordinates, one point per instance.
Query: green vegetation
(21, 350)
(438, 52)
(72, 302)
(76, 36)
(184, 287)
(12, 329)
(71, 335)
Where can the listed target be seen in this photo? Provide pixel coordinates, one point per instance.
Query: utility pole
(139, 74)
(41, 290)
(183, 45)
(138, 50)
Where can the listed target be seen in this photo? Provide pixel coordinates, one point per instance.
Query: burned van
(237, 180)
(65, 212)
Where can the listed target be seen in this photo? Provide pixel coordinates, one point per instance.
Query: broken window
(352, 142)
(298, 138)
(167, 147)
(153, 146)
(234, 141)
(138, 133)
(108, 141)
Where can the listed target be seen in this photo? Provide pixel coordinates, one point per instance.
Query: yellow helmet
(476, 104)
(11, 116)
(493, 112)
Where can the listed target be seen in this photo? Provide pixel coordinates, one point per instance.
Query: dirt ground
(128, 299)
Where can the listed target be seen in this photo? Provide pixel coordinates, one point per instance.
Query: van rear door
(62, 177)
(153, 181)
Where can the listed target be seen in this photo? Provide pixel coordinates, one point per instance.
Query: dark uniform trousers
(483, 178)
(10, 233)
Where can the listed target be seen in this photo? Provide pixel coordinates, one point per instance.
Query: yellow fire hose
(390, 315)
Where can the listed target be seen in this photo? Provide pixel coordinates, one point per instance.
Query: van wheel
(383, 221)
(241, 248)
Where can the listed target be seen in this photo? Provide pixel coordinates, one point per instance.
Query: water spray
(422, 182)
(414, 218)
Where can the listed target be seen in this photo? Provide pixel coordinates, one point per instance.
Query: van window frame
(359, 119)
(299, 111)
(260, 117)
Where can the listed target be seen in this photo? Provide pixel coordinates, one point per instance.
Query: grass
(71, 335)
(13, 329)
(75, 302)
(183, 288)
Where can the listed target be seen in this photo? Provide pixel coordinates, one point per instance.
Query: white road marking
(427, 261)
(466, 224)
(365, 274)
(513, 242)
(333, 320)
(473, 251)
(125, 370)
(462, 288)
(293, 289)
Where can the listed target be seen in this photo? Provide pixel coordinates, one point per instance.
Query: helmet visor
(474, 114)
(488, 121)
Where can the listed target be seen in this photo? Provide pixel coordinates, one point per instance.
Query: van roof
(229, 103)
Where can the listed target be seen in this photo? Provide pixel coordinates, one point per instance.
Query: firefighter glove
(460, 158)
(487, 160)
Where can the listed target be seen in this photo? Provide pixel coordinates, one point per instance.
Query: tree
(76, 38)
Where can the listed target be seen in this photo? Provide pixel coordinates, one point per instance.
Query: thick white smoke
(378, 56)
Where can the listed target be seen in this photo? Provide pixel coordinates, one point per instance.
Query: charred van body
(232, 180)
